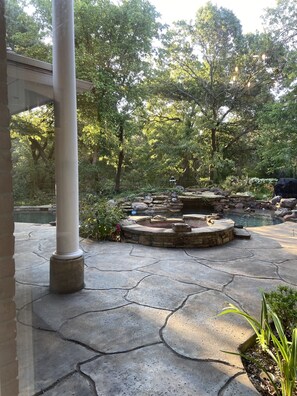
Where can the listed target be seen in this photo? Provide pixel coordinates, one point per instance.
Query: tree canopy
(194, 100)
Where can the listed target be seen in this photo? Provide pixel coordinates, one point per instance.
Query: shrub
(283, 301)
(271, 337)
(100, 219)
(260, 188)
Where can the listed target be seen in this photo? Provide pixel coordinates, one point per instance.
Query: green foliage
(96, 178)
(277, 141)
(221, 80)
(200, 105)
(283, 301)
(284, 354)
(99, 219)
(261, 328)
(259, 188)
(115, 41)
(273, 341)
(33, 156)
(281, 22)
(24, 33)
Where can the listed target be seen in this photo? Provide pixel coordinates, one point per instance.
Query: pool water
(252, 219)
(38, 217)
(243, 219)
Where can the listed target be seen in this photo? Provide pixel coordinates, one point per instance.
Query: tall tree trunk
(187, 178)
(120, 160)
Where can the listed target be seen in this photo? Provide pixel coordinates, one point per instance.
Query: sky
(247, 11)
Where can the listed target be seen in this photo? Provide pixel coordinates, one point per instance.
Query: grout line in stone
(228, 382)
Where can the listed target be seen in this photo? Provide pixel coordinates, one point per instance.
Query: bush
(100, 219)
(283, 301)
(273, 340)
(259, 188)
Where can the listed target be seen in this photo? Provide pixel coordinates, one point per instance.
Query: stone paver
(26, 294)
(146, 322)
(157, 292)
(278, 256)
(191, 272)
(288, 271)
(45, 314)
(220, 253)
(44, 358)
(96, 279)
(74, 384)
(155, 370)
(37, 275)
(247, 267)
(247, 292)
(196, 331)
(117, 262)
(159, 253)
(117, 330)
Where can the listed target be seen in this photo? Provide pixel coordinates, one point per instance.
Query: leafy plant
(271, 337)
(284, 354)
(100, 219)
(260, 188)
(261, 328)
(283, 301)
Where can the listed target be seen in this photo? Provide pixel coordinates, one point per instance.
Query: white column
(66, 266)
(66, 155)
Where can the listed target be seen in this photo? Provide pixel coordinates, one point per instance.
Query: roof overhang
(30, 83)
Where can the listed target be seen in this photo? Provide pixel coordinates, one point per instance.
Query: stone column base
(66, 276)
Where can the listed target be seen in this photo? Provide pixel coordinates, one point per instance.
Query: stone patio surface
(146, 322)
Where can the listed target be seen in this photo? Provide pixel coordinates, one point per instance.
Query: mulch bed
(256, 374)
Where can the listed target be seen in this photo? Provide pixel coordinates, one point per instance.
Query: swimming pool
(253, 219)
(36, 216)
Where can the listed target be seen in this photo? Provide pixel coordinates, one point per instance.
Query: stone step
(241, 233)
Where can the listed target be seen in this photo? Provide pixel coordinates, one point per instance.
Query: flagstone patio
(146, 322)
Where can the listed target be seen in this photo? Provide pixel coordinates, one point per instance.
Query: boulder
(276, 199)
(289, 203)
(148, 199)
(139, 206)
(291, 217)
(282, 212)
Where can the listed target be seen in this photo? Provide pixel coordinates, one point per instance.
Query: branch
(164, 118)
(236, 138)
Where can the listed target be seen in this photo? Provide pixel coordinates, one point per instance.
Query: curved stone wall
(213, 233)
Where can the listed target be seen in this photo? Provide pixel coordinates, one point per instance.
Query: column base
(66, 276)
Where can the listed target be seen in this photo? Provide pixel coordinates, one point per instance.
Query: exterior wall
(8, 361)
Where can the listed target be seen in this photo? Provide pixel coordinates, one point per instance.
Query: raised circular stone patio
(188, 231)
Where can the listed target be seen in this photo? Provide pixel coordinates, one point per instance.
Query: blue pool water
(38, 217)
(243, 219)
(252, 219)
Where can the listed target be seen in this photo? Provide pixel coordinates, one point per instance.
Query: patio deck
(146, 322)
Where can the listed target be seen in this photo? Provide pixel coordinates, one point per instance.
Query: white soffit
(30, 83)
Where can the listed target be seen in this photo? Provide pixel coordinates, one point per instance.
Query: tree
(281, 23)
(277, 142)
(113, 45)
(25, 34)
(278, 139)
(32, 135)
(226, 75)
